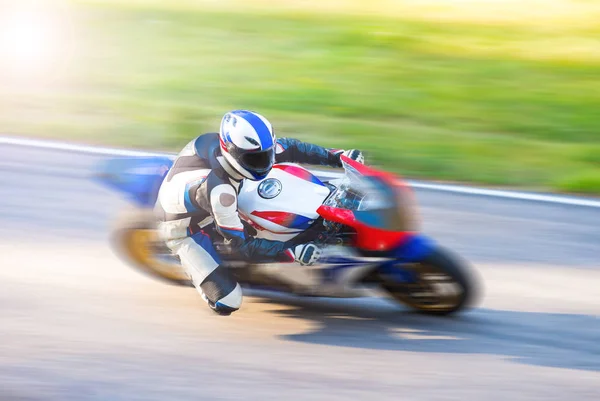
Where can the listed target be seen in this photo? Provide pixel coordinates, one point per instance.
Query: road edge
(458, 189)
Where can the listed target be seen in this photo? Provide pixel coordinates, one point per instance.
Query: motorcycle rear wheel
(134, 238)
(444, 285)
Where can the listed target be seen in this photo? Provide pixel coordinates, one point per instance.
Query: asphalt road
(77, 324)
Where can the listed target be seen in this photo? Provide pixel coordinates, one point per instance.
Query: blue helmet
(248, 143)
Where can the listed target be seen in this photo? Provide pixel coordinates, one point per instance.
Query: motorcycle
(364, 220)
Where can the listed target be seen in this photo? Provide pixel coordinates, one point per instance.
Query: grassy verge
(427, 92)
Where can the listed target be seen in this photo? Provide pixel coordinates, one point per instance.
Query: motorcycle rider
(197, 202)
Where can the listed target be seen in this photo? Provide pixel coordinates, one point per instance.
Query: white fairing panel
(284, 204)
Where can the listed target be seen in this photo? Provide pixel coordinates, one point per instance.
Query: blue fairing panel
(417, 248)
(414, 250)
(139, 178)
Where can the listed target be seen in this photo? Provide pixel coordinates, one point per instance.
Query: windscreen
(374, 200)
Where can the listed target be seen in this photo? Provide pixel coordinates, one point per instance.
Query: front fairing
(377, 205)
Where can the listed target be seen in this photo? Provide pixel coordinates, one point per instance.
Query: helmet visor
(260, 161)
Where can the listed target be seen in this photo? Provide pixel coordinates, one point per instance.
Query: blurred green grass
(508, 104)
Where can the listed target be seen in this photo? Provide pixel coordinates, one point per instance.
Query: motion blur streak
(76, 324)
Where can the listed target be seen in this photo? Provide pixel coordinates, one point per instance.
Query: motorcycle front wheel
(442, 285)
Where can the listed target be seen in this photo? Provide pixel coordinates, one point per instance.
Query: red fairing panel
(367, 238)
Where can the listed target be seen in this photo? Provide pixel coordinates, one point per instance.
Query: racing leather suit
(197, 207)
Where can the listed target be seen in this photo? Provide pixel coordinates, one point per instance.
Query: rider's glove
(306, 254)
(355, 155)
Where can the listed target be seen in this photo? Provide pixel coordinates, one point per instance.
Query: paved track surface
(77, 324)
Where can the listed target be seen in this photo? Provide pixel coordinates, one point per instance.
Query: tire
(134, 238)
(449, 283)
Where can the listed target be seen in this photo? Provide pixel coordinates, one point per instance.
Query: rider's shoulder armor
(216, 178)
(197, 154)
